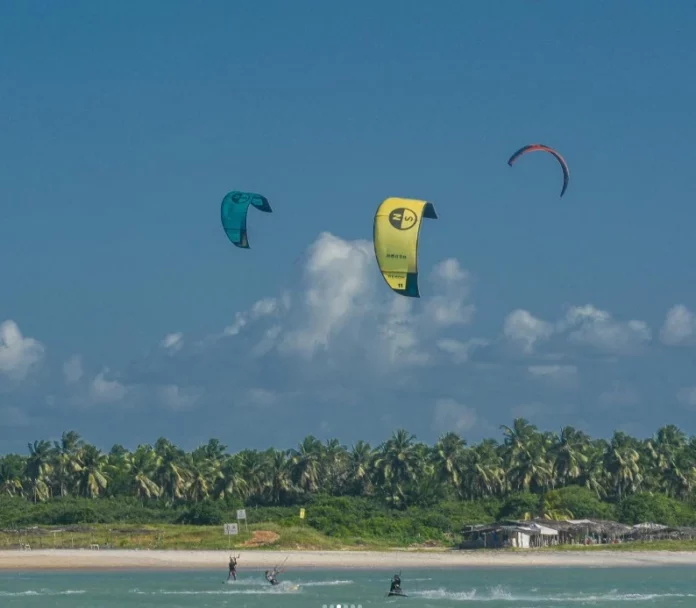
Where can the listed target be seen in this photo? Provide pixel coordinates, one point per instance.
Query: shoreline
(115, 559)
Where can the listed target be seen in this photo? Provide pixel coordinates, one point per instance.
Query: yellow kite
(396, 232)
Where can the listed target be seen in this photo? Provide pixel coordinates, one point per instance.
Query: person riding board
(233, 568)
(395, 584)
(271, 576)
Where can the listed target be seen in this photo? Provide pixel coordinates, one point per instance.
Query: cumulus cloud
(344, 337)
(560, 374)
(176, 398)
(524, 329)
(679, 326)
(581, 325)
(104, 390)
(72, 369)
(597, 328)
(450, 308)
(173, 342)
(398, 341)
(460, 351)
(17, 353)
(339, 286)
(265, 307)
(453, 416)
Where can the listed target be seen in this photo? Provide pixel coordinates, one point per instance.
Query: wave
(41, 592)
(501, 594)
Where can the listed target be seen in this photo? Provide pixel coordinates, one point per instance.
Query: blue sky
(128, 315)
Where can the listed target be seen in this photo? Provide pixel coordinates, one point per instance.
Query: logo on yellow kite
(402, 218)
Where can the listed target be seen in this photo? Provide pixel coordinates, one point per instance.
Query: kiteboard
(397, 593)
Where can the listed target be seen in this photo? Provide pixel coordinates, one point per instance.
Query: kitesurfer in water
(271, 576)
(395, 584)
(233, 568)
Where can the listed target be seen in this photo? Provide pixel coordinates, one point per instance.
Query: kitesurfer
(233, 568)
(395, 584)
(271, 576)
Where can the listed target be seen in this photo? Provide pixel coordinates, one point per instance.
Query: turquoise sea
(524, 587)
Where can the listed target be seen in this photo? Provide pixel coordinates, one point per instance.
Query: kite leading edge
(395, 235)
(233, 214)
(542, 147)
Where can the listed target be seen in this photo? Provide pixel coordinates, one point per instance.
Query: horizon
(126, 312)
(500, 441)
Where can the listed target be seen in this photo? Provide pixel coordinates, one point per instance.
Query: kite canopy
(396, 231)
(233, 213)
(543, 148)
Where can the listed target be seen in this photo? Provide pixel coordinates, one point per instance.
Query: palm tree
(568, 455)
(279, 484)
(483, 474)
(91, 479)
(171, 474)
(525, 457)
(307, 464)
(448, 458)
(11, 468)
(359, 469)
(333, 466)
(66, 463)
(396, 465)
(38, 470)
(252, 468)
(622, 462)
(142, 466)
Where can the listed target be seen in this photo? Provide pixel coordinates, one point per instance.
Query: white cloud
(679, 325)
(345, 310)
(173, 342)
(551, 370)
(339, 286)
(398, 342)
(523, 328)
(265, 307)
(557, 373)
(453, 416)
(106, 390)
(582, 325)
(460, 351)
(176, 398)
(268, 342)
(72, 369)
(450, 308)
(597, 328)
(17, 353)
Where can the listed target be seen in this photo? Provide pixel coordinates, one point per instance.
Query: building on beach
(529, 534)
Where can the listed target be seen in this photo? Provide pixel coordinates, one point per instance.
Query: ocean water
(491, 587)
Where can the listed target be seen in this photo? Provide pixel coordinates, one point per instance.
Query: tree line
(400, 472)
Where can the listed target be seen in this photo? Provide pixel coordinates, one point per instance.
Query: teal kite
(233, 213)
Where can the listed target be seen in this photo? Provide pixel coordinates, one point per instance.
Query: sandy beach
(65, 559)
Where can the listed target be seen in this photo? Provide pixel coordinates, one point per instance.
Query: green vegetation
(401, 493)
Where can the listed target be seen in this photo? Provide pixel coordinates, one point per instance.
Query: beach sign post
(241, 514)
(302, 513)
(230, 529)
